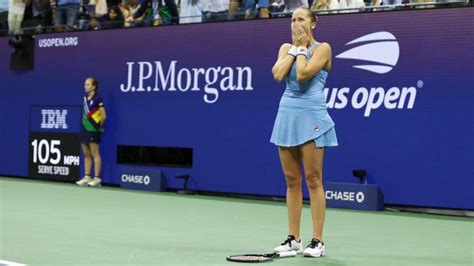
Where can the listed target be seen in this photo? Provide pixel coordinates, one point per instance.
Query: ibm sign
(54, 118)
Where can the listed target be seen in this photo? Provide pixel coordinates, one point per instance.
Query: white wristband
(293, 51)
(302, 51)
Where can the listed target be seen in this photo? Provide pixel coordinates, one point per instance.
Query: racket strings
(251, 258)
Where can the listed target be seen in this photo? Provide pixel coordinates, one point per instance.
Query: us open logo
(377, 53)
(381, 49)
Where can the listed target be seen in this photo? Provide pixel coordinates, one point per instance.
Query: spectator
(3, 15)
(154, 13)
(94, 24)
(16, 11)
(114, 18)
(67, 12)
(97, 8)
(215, 10)
(292, 5)
(133, 6)
(124, 10)
(233, 8)
(190, 11)
(111, 3)
(42, 15)
(277, 6)
(391, 2)
(358, 3)
(373, 2)
(168, 12)
(250, 6)
(350, 4)
(165, 10)
(321, 5)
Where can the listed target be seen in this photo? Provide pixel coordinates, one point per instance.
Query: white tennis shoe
(84, 181)
(290, 244)
(315, 249)
(96, 182)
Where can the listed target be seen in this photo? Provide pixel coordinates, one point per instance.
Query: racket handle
(287, 254)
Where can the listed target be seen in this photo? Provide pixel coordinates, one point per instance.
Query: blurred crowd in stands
(38, 16)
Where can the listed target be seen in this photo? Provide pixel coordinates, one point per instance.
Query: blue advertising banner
(400, 92)
(353, 196)
(141, 178)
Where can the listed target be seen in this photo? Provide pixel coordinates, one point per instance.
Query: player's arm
(307, 69)
(283, 64)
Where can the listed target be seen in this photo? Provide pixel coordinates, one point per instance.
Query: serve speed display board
(54, 144)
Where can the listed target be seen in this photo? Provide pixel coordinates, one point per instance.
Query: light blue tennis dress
(302, 114)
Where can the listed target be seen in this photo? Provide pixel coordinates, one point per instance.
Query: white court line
(9, 263)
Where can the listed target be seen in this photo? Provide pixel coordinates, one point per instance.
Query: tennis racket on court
(255, 258)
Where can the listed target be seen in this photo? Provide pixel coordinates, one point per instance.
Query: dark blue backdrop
(418, 147)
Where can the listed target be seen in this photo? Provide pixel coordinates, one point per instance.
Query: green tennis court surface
(44, 223)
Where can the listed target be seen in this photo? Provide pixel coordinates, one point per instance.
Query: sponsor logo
(380, 49)
(54, 119)
(378, 53)
(136, 179)
(345, 196)
(360, 197)
(212, 81)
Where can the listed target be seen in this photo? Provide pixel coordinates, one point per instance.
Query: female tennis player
(303, 127)
(93, 119)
